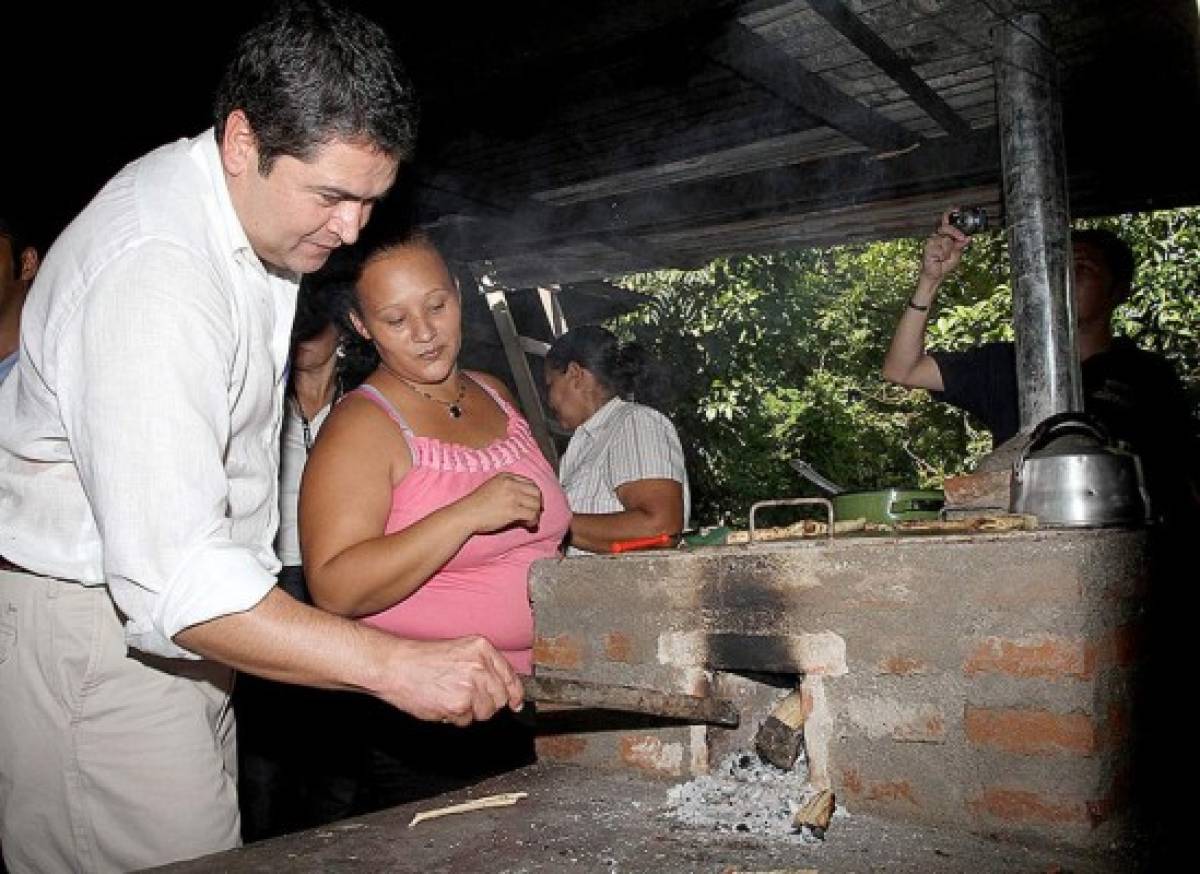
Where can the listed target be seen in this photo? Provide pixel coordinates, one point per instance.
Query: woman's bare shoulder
(358, 428)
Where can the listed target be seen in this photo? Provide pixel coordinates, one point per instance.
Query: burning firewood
(781, 734)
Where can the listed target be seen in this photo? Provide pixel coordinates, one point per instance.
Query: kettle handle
(1071, 422)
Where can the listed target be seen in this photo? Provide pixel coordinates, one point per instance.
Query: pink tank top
(484, 588)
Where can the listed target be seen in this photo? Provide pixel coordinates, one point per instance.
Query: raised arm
(906, 362)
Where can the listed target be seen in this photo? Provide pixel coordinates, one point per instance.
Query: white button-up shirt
(621, 443)
(139, 432)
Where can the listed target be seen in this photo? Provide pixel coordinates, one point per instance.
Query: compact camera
(970, 220)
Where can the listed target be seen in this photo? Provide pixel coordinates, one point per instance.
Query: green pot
(887, 506)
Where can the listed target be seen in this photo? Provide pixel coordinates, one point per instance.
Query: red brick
(1117, 724)
(896, 790)
(1120, 647)
(1031, 732)
(1050, 658)
(925, 728)
(853, 784)
(563, 651)
(852, 781)
(648, 753)
(902, 665)
(618, 647)
(562, 747)
(1019, 805)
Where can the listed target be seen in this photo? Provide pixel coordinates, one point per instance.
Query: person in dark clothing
(1136, 394)
(298, 757)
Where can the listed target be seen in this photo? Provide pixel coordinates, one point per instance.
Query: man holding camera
(1135, 393)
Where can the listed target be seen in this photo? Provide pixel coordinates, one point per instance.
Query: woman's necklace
(453, 408)
(305, 424)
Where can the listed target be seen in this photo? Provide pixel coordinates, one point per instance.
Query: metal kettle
(1071, 475)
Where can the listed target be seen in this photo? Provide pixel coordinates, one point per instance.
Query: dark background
(90, 87)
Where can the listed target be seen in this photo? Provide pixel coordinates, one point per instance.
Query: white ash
(743, 795)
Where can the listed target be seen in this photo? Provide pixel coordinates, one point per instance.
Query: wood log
(815, 813)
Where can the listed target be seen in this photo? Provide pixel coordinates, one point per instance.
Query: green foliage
(777, 357)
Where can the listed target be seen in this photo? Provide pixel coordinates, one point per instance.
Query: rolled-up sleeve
(645, 446)
(149, 357)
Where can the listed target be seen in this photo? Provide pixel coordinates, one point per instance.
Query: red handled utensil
(634, 543)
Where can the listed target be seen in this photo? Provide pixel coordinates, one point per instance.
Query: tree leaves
(777, 356)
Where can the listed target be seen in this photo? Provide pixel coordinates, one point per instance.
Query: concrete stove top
(582, 819)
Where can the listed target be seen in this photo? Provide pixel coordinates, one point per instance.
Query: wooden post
(531, 401)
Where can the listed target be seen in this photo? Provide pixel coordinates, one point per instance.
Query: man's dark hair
(1116, 253)
(312, 73)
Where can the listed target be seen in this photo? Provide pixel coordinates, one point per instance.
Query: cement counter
(579, 819)
(986, 682)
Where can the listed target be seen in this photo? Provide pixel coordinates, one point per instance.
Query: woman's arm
(351, 566)
(652, 506)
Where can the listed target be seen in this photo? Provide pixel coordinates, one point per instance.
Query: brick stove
(976, 682)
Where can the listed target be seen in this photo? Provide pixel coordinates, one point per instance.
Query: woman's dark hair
(340, 277)
(314, 309)
(312, 73)
(319, 305)
(627, 371)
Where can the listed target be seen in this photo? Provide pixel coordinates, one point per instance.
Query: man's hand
(456, 681)
(943, 250)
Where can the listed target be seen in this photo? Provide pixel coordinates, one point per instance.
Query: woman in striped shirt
(623, 471)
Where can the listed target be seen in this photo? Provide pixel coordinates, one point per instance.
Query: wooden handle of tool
(663, 539)
(631, 699)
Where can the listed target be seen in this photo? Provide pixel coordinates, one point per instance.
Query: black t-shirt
(1135, 393)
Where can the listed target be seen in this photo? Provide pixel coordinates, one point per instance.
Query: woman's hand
(506, 499)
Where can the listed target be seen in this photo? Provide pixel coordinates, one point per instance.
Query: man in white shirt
(139, 450)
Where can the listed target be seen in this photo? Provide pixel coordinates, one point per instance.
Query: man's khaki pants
(109, 760)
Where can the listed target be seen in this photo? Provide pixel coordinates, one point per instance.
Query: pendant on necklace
(455, 411)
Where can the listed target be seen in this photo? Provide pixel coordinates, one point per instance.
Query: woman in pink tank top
(424, 502)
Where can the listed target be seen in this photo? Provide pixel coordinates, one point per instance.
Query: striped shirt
(621, 443)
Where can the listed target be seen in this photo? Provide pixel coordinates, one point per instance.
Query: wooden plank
(764, 154)
(531, 401)
(800, 188)
(747, 53)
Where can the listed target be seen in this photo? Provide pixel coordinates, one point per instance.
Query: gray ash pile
(743, 795)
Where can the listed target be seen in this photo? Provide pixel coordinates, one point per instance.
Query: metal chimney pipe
(1035, 192)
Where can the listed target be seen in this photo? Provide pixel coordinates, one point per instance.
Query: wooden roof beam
(488, 209)
(883, 56)
(942, 164)
(751, 56)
